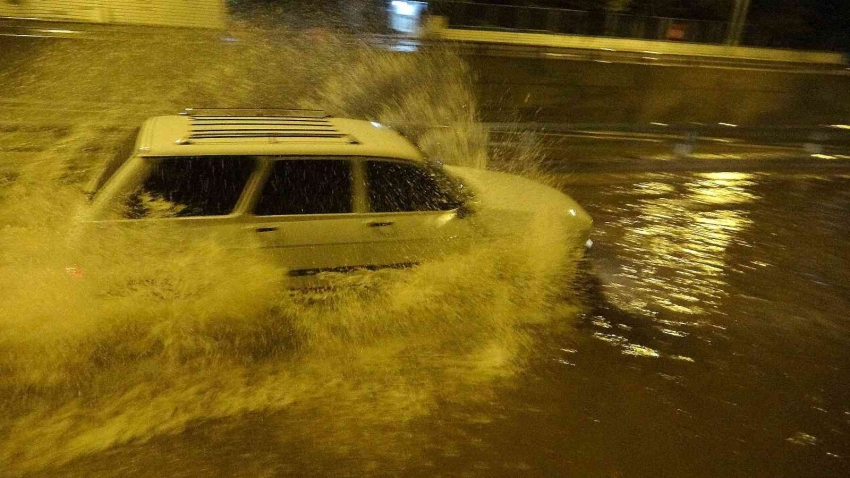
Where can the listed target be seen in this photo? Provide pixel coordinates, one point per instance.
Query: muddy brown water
(712, 341)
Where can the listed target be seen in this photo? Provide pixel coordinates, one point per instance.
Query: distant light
(652, 52)
(608, 49)
(649, 58)
(656, 123)
(376, 124)
(841, 126)
(230, 39)
(727, 176)
(58, 31)
(589, 243)
(407, 48)
(573, 212)
(404, 8)
(22, 35)
(823, 156)
(728, 124)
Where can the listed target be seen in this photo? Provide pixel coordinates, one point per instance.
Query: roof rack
(224, 128)
(256, 112)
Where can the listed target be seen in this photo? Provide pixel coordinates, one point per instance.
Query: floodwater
(716, 340)
(705, 335)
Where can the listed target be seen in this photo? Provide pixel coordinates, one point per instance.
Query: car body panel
(491, 204)
(312, 243)
(505, 204)
(413, 237)
(167, 136)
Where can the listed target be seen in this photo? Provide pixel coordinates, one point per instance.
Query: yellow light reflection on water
(678, 238)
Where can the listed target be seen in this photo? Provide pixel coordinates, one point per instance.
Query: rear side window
(397, 187)
(311, 186)
(190, 186)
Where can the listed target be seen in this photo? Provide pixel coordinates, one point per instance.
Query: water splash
(144, 348)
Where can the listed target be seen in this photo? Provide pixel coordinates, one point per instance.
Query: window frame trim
(366, 189)
(360, 187)
(137, 169)
(268, 161)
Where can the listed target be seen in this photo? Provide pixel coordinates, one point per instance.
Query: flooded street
(717, 336)
(711, 340)
(705, 334)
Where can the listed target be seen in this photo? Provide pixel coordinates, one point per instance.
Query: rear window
(310, 186)
(190, 186)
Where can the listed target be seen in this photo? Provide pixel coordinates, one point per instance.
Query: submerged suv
(318, 193)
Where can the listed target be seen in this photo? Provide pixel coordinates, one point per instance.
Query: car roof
(291, 134)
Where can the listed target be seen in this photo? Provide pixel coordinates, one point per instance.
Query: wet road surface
(713, 340)
(708, 335)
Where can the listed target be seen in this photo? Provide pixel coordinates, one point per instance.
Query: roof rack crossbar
(227, 120)
(262, 112)
(252, 134)
(287, 138)
(265, 132)
(264, 127)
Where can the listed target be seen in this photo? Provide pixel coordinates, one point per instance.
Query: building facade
(175, 13)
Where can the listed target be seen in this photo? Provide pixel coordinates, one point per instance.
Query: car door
(182, 199)
(304, 215)
(412, 215)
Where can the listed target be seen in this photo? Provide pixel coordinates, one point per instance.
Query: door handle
(266, 229)
(380, 224)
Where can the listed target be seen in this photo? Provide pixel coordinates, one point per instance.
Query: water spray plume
(137, 349)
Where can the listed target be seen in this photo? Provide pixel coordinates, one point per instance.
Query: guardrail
(663, 28)
(511, 17)
(598, 23)
(652, 51)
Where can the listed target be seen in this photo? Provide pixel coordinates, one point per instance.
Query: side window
(397, 187)
(307, 186)
(190, 186)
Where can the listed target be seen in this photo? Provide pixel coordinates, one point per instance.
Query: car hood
(509, 192)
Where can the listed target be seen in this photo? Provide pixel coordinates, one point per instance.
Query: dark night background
(804, 24)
